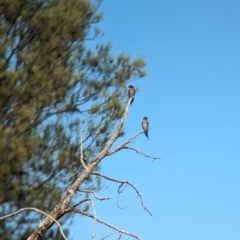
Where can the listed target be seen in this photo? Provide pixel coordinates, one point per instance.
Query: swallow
(131, 92)
(145, 126)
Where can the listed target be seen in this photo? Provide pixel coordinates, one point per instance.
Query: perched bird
(145, 126)
(131, 92)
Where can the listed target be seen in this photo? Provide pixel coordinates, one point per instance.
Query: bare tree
(65, 205)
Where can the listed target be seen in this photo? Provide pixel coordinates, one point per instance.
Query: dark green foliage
(52, 88)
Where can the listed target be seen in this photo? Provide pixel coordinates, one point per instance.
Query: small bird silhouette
(145, 126)
(131, 92)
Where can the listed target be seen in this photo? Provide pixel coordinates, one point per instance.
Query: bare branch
(95, 220)
(105, 223)
(63, 206)
(110, 142)
(103, 238)
(119, 238)
(94, 193)
(119, 192)
(113, 233)
(82, 201)
(124, 144)
(139, 152)
(93, 210)
(127, 183)
(40, 211)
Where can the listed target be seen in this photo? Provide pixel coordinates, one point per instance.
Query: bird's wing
(133, 92)
(129, 93)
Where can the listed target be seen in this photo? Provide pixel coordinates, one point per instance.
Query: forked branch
(124, 146)
(139, 152)
(40, 211)
(94, 193)
(63, 206)
(121, 185)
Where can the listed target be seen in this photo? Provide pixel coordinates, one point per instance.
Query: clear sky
(191, 96)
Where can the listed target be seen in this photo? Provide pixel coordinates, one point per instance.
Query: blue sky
(191, 96)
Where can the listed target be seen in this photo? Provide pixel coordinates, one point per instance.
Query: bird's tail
(132, 102)
(146, 134)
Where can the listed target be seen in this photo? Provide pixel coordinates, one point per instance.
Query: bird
(145, 126)
(131, 92)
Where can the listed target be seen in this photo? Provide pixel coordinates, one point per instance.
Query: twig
(95, 220)
(127, 183)
(82, 201)
(108, 236)
(93, 210)
(105, 223)
(94, 193)
(35, 209)
(119, 192)
(119, 238)
(139, 152)
(112, 233)
(124, 144)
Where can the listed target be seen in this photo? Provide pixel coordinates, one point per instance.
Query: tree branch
(139, 152)
(121, 184)
(94, 193)
(82, 201)
(105, 223)
(35, 209)
(124, 144)
(62, 207)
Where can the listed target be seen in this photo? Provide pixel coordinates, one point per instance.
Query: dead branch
(113, 233)
(40, 211)
(82, 201)
(105, 223)
(139, 152)
(93, 210)
(124, 144)
(119, 238)
(120, 186)
(94, 193)
(62, 207)
(103, 238)
(119, 192)
(95, 219)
